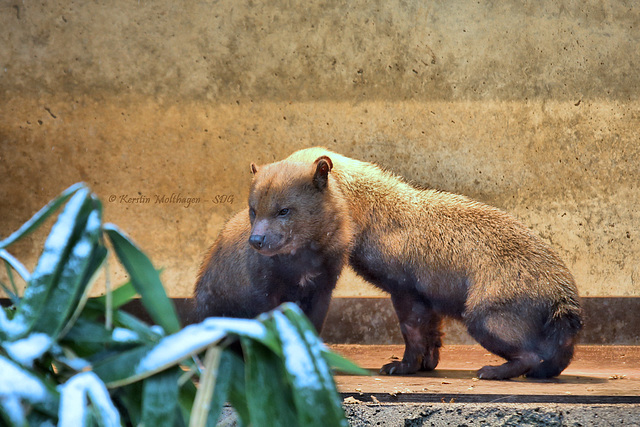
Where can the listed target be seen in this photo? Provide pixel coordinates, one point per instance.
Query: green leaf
(74, 397)
(97, 260)
(342, 364)
(230, 372)
(20, 385)
(317, 348)
(53, 259)
(229, 386)
(186, 397)
(13, 296)
(102, 344)
(88, 331)
(39, 419)
(120, 296)
(297, 317)
(128, 398)
(160, 398)
(28, 349)
(145, 361)
(11, 261)
(73, 280)
(145, 279)
(237, 386)
(268, 392)
(41, 215)
(121, 368)
(87, 338)
(13, 293)
(92, 340)
(316, 398)
(148, 334)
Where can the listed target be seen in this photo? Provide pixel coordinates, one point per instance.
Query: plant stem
(206, 387)
(108, 296)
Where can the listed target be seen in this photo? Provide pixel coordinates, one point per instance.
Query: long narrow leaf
(10, 262)
(186, 397)
(14, 288)
(18, 385)
(50, 263)
(230, 374)
(297, 317)
(237, 386)
(316, 398)
(339, 363)
(13, 296)
(316, 348)
(148, 334)
(26, 350)
(121, 319)
(16, 265)
(269, 395)
(97, 260)
(70, 284)
(91, 340)
(128, 398)
(229, 386)
(120, 296)
(145, 361)
(74, 402)
(41, 216)
(160, 398)
(87, 331)
(146, 280)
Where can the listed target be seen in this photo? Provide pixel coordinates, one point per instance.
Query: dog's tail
(560, 336)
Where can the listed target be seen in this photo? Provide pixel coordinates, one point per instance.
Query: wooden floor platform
(597, 374)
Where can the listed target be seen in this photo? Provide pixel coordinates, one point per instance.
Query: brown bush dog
(440, 254)
(289, 245)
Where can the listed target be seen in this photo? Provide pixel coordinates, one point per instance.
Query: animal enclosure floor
(597, 374)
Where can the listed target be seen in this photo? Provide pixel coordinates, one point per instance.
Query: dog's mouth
(288, 246)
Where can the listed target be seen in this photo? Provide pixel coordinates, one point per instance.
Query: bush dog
(440, 254)
(289, 244)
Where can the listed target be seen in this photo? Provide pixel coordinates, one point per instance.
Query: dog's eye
(283, 212)
(252, 214)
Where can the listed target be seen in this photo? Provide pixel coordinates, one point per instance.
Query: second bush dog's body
(440, 254)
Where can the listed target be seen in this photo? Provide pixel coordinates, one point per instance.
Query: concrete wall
(531, 106)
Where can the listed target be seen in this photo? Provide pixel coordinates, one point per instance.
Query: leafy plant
(68, 359)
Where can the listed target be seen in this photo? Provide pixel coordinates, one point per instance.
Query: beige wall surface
(531, 106)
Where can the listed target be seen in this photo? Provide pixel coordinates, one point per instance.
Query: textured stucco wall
(530, 106)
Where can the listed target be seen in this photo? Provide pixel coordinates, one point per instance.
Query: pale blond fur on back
(439, 253)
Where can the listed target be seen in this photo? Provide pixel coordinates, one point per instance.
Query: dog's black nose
(257, 241)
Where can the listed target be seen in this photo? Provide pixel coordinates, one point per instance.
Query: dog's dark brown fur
(440, 254)
(290, 244)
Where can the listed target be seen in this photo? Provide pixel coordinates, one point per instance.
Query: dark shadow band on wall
(608, 321)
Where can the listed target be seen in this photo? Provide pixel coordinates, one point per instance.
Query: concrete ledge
(597, 375)
(600, 387)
